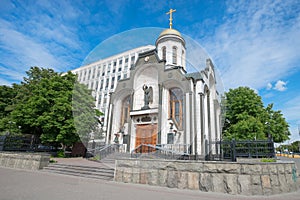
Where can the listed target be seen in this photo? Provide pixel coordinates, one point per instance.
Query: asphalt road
(38, 185)
(296, 160)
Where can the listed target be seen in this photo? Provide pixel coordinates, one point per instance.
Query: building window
(125, 76)
(164, 52)
(89, 74)
(99, 100)
(93, 74)
(120, 61)
(132, 59)
(125, 110)
(97, 86)
(92, 86)
(112, 83)
(126, 60)
(107, 82)
(176, 105)
(119, 77)
(101, 85)
(174, 55)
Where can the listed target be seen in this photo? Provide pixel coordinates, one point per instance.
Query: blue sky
(252, 43)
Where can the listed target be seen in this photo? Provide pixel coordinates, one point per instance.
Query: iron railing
(184, 148)
(231, 150)
(151, 151)
(102, 152)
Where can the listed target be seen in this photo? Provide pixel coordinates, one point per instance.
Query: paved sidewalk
(38, 185)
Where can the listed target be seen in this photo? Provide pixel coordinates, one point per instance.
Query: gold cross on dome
(171, 19)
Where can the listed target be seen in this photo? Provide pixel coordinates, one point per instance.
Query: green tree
(246, 117)
(7, 95)
(85, 115)
(44, 107)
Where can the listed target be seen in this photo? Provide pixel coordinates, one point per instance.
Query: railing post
(220, 152)
(249, 148)
(233, 143)
(206, 149)
(273, 149)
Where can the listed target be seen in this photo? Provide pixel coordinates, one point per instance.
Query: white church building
(148, 97)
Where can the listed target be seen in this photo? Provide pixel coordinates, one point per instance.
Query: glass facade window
(112, 83)
(89, 74)
(106, 85)
(101, 85)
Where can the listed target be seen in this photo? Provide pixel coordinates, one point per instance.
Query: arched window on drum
(164, 53)
(174, 55)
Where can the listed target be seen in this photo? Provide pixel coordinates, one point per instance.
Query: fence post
(273, 149)
(206, 149)
(249, 148)
(220, 153)
(233, 143)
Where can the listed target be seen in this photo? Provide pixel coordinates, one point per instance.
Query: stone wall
(224, 177)
(20, 160)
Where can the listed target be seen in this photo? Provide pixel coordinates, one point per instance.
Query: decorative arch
(125, 110)
(176, 106)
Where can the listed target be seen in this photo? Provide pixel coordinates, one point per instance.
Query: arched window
(125, 110)
(174, 55)
(164, 52)
(176, 106)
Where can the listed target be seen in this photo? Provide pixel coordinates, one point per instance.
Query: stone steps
(101, 172)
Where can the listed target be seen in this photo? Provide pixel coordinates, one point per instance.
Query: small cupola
(170, 46)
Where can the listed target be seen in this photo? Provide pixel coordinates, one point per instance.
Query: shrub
(61, 154)
(268, 160)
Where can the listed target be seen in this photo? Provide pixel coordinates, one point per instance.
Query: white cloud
(269, 86)
(280, 86)
(40, 37)
(291, 108)
(257, 44)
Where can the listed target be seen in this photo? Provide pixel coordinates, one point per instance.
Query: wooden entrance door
(146, 134)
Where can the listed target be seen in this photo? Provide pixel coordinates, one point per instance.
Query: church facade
(160, 104)
(148, 97)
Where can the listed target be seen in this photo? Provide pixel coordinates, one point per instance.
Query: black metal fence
(231, 150)
(22, 143)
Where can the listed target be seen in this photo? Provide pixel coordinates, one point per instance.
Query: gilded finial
(171, 19)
